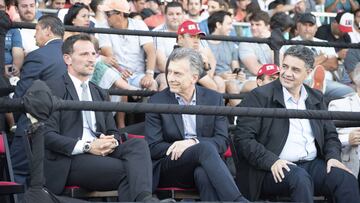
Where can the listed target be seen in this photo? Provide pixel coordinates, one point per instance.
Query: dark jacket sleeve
(154, 135)
(30, 71)
(247, 131)
(332, 144)
(54, 141)
(220, 137)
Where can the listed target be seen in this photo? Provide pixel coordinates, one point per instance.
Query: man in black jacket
(293, 157)
(83, 147)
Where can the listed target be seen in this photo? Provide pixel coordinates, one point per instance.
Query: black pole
(277, 57)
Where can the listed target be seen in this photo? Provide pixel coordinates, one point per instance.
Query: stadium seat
(8, 188)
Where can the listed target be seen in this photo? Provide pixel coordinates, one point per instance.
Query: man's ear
(195, 78)
(67, 59)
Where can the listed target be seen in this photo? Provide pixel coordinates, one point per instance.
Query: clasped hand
(104, 145)
(178, 148)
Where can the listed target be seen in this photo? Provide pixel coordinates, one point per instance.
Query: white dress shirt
(300, 143)
(87, 135)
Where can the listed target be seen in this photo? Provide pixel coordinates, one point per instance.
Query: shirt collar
(182, 101)
(288, 96)
(51, 41)
(77, 82)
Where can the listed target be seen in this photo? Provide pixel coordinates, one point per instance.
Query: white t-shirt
(354, 36)
(128, 49)
(165, 44)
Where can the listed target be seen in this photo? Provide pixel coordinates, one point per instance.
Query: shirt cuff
(78, 149)
(344, 139)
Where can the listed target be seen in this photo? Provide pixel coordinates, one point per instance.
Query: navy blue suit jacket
(45, 63)
(161, 130)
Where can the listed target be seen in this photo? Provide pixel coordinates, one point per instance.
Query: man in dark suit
(82, 148)
(186, 149)
(292, 157)
(45, 63)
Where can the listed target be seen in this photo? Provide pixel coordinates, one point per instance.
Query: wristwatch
(87, 147)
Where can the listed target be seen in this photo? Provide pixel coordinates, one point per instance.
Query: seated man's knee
(337, 176)
(200, 176)
(298, 177)
(205, 148)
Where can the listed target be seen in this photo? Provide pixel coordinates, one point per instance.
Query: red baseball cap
(268, 69)
(189, 27)
(345, 21)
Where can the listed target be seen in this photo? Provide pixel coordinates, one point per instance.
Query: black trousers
(201, 166)
(309, 178)
(128, 169)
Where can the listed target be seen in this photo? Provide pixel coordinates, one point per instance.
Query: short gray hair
(195, 60)
(303, 53)
(356, 75)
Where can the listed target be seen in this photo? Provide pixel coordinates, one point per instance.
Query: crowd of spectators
(139, 62)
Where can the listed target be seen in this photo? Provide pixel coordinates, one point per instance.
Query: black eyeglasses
(110, 13)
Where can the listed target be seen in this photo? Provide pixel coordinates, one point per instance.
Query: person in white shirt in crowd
(27, 10)
(174, 16)
(350, 137)
(325, 59)
(133, 56)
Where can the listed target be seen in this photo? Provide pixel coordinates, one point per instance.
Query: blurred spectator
(267, 73)
(135, 15)
(9, 6)
(194, 10)
(100, 18)
(137, 5)
(226, 54)
(325, 59)
(63, 12)
(350, 137)
(56, 4)
(137, 63)
(352, 58)
(240, 12)
(154, 5)
(174, 16)
(213, 6)
(14, 54)
(337, 31)
(158, 17)
(355, 34)
(283, 22)
(254, 55)
(27, 10)
(78, 15)
(336, 6)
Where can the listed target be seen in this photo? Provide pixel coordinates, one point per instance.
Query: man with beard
(174, 15)
(27, 10)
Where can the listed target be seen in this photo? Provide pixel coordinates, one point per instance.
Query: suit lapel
(200, 100)
(177, 117)
(70, 87)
